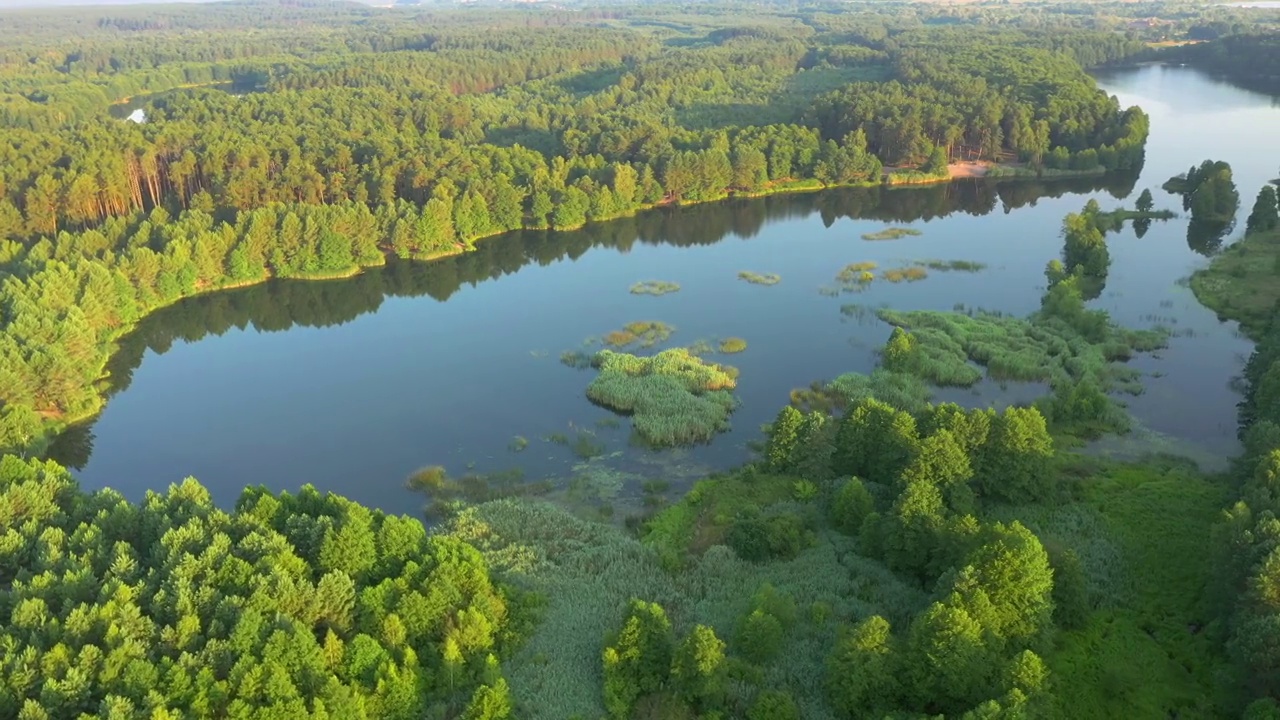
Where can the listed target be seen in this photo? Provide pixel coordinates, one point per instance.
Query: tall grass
(1037, 349)
(588, 572)
(674, 397)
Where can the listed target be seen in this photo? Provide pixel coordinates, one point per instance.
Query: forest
(882, 554)
(555, 122)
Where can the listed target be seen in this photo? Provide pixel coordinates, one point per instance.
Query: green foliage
(852, 505)
(1061, 344)
(1265, 215)
(784, 437)
(863, 671)
(654, 287)
(759, 636)
(698, 671)
(1015, 462)
(637, 658)
(774, 705)
(875, 441)
(757, 536)
(892, 233)
(758, 279)
(674, 397)
(287, 603)
(733, 345)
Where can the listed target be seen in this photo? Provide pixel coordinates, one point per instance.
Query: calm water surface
(352, 385)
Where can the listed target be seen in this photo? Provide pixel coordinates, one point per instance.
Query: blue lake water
(352, 385)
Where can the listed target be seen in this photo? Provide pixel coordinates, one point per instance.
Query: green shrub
(774, 705)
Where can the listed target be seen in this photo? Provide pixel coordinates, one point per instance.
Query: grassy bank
(1242, 283)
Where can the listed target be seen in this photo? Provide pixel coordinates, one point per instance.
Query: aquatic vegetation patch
(654, 287)
(701, 347)
(760, 279)
(674, 397)
(942, 348)
(576, 359)
(911, 273)
(892, 233)
(855, 277)
(586, 445)
(518, 444)
(901, 390)
(447, 496)
(641, 333)
(951, 265)
(732, 345)
(1241, 283)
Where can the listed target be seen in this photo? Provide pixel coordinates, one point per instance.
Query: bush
(757, 537)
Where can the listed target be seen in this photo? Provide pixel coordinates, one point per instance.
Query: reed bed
(759, 278)
(674, 397)
(654, 287)
(732, 345)
(892, 233)
(942, 348)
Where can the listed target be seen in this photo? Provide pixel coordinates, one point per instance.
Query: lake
(352, 385)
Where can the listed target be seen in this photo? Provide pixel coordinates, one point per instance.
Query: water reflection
(282, 305)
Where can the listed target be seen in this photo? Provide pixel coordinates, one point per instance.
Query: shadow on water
(278, 306)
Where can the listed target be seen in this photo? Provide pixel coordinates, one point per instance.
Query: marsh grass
(588, 572)
(654, 287)
(855, 277)
(911, 273)
(701, 347)
(951, 265)
(946, 348)
(641, 333)
(905, 392)
(576, 359)
(1241, 282)
(518, 444)
(586, 445)
(674, 397)
(1139, 531)
(892, 233)
(732, 345)
(760, 279)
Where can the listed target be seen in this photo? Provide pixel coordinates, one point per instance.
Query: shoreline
(969, 170)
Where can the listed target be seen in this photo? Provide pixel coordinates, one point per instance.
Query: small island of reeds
(760, 279)
(642, 333)
(732, 345)
(654, 287)
(892, 233)
(674, 398)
